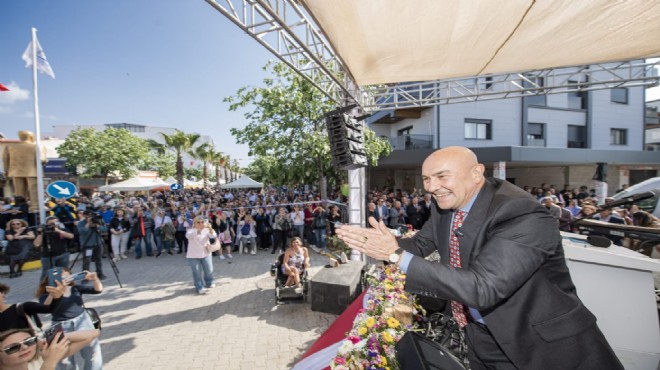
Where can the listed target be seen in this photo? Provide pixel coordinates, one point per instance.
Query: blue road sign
(175, 186)
(61, 189)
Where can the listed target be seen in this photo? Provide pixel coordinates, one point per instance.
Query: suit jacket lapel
(442, 230)
(474, 222)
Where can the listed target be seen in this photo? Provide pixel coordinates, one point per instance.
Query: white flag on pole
(42, 63)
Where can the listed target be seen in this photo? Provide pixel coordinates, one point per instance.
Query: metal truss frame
(285, 29)
(512, 85)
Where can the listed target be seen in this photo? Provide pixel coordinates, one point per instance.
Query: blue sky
(158, 63)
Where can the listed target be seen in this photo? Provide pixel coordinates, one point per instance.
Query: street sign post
(175, 187)
(61, 189)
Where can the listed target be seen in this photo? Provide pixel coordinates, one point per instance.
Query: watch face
(394, 258)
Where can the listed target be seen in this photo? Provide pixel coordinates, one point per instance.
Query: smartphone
(53, 332)
(54, 274)
(76, 277)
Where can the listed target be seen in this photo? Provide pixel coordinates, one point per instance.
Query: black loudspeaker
(416, 352)
(346, 135)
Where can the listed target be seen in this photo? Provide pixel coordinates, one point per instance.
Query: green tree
(101, 153)
(217, 159)
(164, 164)
(286, 127)
(177, 143)
(207, 154)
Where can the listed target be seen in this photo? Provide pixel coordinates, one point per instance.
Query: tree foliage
(100, 153)
(164, 164)
(286, 130)
(178, 144)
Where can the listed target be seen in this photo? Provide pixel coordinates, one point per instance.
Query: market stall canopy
(390, 41)
(136, 184)
(170, 180)
(244, 182)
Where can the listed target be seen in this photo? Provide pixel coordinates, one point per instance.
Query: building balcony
(575, 144)
(536, 142)
(410, 142)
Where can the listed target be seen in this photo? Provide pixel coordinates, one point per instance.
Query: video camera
(94, 220)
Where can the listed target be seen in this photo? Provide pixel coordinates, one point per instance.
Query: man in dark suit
(510, 283)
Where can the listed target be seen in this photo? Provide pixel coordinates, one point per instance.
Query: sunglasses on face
(15, 347)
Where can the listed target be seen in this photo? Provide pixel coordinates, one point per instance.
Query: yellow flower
(383, 360)
(392, 322)
(362, 331)
(370, 322)
(388, 338)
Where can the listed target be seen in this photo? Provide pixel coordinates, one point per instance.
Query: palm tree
(179, 143)
(217, 160)
(207, 154)
(225, 162)
(235, 168)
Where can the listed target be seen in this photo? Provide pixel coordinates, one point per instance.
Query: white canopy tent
(135, 184)
(244, 182)
(391, 41)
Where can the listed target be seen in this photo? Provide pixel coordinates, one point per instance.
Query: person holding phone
(21, 349)
(199, 254)
(10, 318)
(72, 317)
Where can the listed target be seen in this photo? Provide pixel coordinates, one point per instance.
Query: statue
(19, 161)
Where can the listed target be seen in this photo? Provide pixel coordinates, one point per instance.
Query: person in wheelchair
(294, 263)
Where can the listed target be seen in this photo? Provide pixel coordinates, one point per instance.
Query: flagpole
(37, 129)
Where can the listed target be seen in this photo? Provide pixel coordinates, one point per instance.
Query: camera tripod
(104, 248)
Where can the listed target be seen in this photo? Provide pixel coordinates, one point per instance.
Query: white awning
(389, 41)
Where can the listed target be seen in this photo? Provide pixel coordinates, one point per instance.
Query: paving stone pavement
(157, 321)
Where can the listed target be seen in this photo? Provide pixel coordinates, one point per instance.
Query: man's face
(452, 180)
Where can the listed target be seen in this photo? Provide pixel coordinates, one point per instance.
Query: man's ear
(478, 172)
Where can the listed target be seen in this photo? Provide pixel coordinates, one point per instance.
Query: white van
(650, 205)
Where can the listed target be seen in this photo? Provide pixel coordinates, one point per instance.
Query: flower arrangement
(378, 327)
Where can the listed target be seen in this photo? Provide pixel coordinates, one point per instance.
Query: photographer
(91, 241)
(53, 239)
(319, 224)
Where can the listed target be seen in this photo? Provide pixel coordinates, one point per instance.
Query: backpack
(245, 230)
(168, 231)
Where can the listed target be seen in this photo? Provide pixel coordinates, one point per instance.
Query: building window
(619, 95)
(576, 135)
(479, 129)
(618, 136)
(535, 136)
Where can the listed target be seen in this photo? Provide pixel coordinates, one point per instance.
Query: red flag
(3, 87)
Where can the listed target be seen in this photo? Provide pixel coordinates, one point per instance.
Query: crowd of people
(205, 223)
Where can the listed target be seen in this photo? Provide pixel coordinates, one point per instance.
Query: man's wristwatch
(394, 257)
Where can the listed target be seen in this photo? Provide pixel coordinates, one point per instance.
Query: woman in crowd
(294, 263)
(247, 233)
(225, 234)
(334, 216)
(71, 315)
(161, 219)
(20, 209)
(120, 227)
(298, 220)
(18, 249)
(21, 349)
(320, 227)
(182, 221)
(199, 254)
(11, 318)
(263, 228)
(281, 228)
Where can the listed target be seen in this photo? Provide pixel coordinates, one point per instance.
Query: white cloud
(15, 94)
